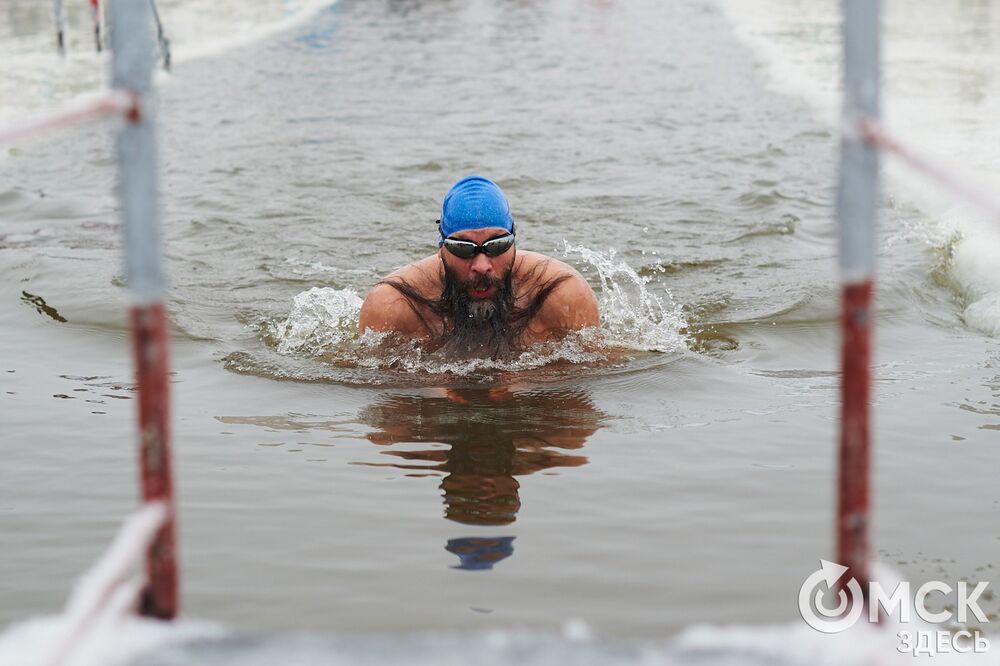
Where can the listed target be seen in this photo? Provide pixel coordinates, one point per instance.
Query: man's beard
(479, 326)
(490, 327)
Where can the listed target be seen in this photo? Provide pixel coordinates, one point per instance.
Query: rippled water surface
(673, 467)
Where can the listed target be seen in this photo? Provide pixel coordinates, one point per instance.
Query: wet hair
(470, 328)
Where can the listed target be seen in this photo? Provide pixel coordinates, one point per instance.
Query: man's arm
(385, 309)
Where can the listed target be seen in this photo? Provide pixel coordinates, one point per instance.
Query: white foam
(321, 318)
(631, 313)
(203, 28)
(140, 641)
(975, 271)
(29, 643)
(322, 322)
(34, 79)
(941, 96)
(97, 627)
(132, 640)
(811, 72)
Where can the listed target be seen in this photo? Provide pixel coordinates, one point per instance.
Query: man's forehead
(479, 235)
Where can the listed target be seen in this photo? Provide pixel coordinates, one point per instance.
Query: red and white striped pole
(131, 71)
(857, 205)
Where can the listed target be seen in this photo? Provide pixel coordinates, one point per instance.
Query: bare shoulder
(570, 305)
(386, 308)
(425, 275)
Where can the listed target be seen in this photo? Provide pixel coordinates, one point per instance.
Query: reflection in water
(478, 553)
(493, 436)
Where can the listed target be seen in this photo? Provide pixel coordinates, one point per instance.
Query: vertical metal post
(161, 37)
(59, 16)
(132, 67)
(857, 205)
(96, 11)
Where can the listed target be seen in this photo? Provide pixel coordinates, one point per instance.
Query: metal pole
(132, 65)
(857, 202)
(161, 37)
(96, 11)
(59, 16)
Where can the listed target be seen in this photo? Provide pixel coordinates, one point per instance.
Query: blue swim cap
(474, 203)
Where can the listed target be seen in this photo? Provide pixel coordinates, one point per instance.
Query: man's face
(479, 277)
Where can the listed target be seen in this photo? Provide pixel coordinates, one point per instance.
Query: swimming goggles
(467, 249)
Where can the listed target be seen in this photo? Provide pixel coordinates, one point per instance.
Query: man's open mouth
(482, 288)
(482, 291)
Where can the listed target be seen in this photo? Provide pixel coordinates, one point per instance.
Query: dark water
(684, 477)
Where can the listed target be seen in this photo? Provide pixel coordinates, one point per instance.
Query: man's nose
(481, 264)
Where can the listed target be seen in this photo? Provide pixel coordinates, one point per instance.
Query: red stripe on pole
(151, 346)
(853, 482)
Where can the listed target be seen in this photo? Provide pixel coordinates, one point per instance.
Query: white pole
(858, 194)
(131, 71)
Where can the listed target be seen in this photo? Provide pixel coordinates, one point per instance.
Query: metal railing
(97, 12)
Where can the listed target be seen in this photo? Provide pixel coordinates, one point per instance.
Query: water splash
(320, 319)
(964, 249)
(974, 274)
(632, 315)
(322, 327)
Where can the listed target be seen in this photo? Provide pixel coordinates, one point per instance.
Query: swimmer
(479, 294)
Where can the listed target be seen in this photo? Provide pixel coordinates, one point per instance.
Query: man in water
(480, 295)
